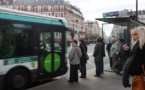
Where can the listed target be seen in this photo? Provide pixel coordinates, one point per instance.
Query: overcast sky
(92, 9)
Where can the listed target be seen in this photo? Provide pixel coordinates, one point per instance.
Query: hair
(75, 41)
(100, 39)
(121, 40)
(82, 41)
(140, 31)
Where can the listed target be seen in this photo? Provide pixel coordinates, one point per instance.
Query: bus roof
(12, 14)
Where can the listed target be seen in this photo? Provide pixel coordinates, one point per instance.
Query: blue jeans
(83, 70)
(98, 68)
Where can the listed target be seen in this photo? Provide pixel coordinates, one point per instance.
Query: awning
(69, 39)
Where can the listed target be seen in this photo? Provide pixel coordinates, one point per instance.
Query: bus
(33, 47)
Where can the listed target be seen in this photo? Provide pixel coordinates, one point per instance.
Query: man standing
(74, 59)
(83, 59)
(114, 52)
(98, 57)
(108, 47)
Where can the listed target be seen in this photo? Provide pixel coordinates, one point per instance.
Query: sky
(92, 9)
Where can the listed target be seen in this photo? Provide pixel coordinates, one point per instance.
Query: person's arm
(126, 49)
(79, 52)
(71, 54)
(86, 49)
(95, 51)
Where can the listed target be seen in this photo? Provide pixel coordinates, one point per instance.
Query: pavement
(107, 81)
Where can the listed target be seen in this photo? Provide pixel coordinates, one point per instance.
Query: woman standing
(74, 58)
(83, 59)
(136, 58)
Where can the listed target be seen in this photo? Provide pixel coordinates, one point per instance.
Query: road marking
(91, 63)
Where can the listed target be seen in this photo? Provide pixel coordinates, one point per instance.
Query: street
(107, 81)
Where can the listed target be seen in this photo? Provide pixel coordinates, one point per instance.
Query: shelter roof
(114, 20)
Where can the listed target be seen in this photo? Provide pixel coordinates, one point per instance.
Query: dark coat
(103, 50)
(139, 60)
(133, 66)
(108, 47)
(98, 52)
(84, 49)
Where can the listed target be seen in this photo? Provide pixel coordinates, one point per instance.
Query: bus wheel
(17, 80)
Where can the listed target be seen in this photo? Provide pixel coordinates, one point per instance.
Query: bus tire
(17, 79)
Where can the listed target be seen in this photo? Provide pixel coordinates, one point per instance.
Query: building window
(45, 8)
(56, 8)
(49, 8)
(7, 2)
(61, 8)
(61, 14)
(22, 8)
(56, 15)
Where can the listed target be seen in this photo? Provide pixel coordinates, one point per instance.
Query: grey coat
(114, 49)
(98, 52)
(75, 55)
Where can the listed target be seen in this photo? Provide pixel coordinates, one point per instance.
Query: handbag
(139, 83)
(86, 55)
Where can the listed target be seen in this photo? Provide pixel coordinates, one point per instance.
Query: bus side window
(7, 51)
(44, 41)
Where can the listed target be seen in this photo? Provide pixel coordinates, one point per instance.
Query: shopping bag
(139, 83)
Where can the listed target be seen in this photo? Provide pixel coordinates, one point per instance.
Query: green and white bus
(32, 47)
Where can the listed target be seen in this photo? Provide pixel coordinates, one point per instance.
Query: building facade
(57, 8)
(92, 30)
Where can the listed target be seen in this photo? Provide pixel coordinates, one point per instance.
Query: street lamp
(136, 9)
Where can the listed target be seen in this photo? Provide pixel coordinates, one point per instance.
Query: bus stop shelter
(127, 22)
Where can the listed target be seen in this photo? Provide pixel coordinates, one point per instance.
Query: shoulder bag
(139, 82)
(86, 55)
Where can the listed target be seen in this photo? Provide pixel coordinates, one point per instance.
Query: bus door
(51, 52)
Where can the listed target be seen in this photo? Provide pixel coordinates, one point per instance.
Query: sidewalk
(108, 81)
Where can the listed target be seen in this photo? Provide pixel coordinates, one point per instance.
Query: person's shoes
(117, 73)
(70, 81)
(82, 76)
(96, 75)
(76, 81)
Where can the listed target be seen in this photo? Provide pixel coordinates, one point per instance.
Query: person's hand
(125, 47)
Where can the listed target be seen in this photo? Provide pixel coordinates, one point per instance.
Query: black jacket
(83, 48)
(139, 60)
(134, 63)
(108, 47)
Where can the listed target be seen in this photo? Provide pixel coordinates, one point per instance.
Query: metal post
(128, 33)
(136, 9)
(102, 30)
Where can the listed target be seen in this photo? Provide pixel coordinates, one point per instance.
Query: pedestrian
(108, 47)
(74, 58)
(113, 53)
(83, 59)
(98, 56)
(103, 55)
(136, 58)
(122, 57)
